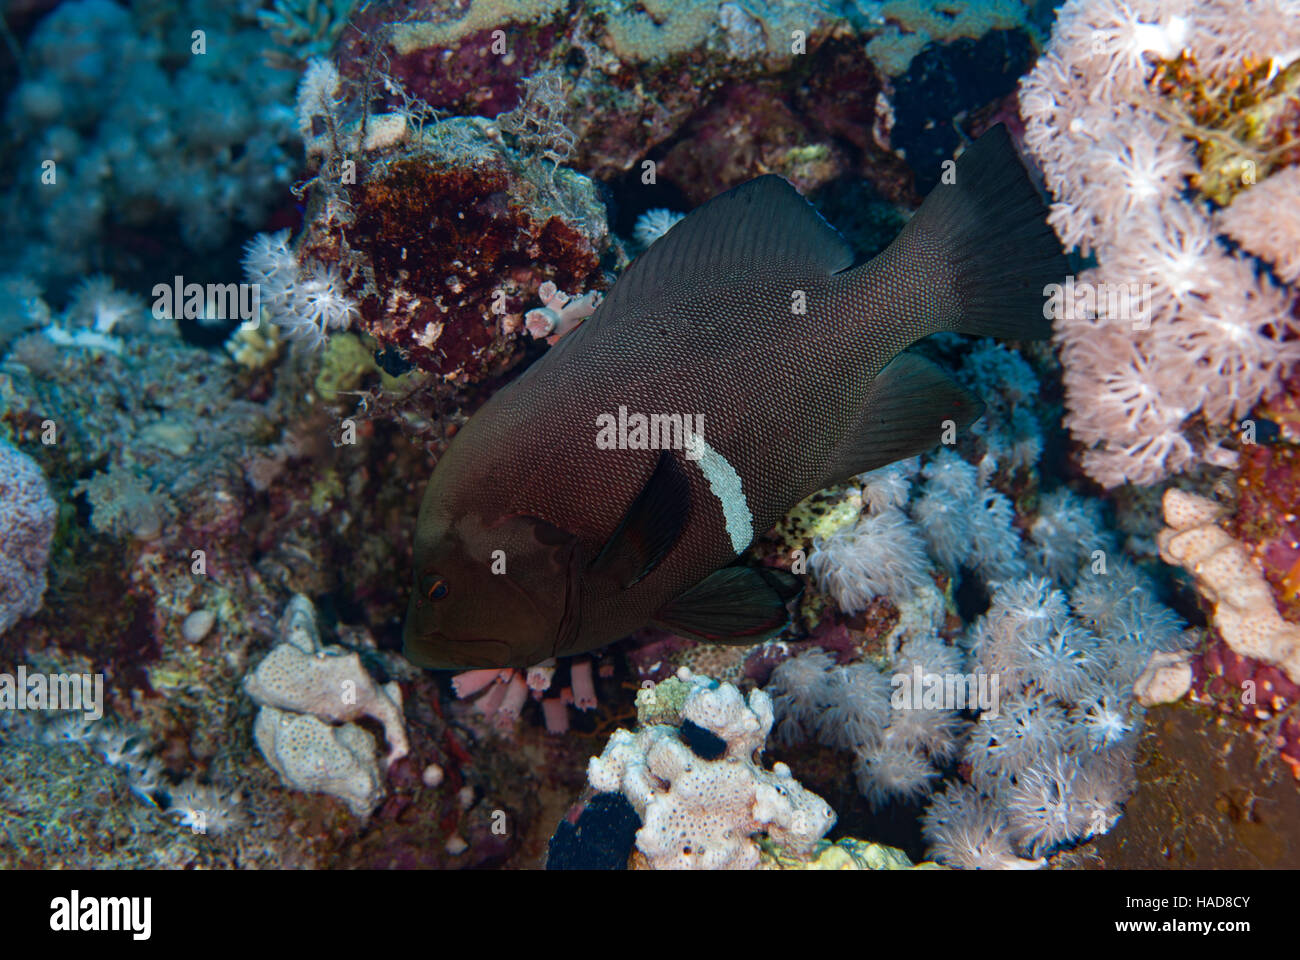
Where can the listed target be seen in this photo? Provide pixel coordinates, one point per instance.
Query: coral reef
(691, 774)
(1046, 669)
(982, 664)
(430, 238)
(911, 25)
(130, 129)
(1055, 718)
(200, 495)
(65, 810)
(1146, 120)
(660, 83)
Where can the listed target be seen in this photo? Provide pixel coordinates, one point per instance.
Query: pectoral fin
(735, 605)
(650, 527)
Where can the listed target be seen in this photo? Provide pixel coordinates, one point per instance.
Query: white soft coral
(653, 224)
(308, 300)
(97, 305)
(269, 262)
(323, 304)
(1226, 33)
(1139, 166)
(204, 809)
(1239, 339)
(1266, 221)
(881, 555)
(798, 688)
(1174, 250)
(1212, 338)
(1120, 39)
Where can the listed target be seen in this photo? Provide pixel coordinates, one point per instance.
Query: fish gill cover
(759, 532)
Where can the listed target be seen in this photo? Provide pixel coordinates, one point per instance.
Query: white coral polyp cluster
(880, 555)
(1266, 221)
(1205, 333)
(966, 522)
(653, 224)
(308, 300)
(202, 808)
(705, 814)
(898, 741)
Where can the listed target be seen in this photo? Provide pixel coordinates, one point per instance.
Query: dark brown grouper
(543, 532)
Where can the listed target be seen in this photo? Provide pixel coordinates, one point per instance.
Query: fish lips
(435, 651)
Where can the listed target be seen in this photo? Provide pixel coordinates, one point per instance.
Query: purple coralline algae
(27, 521)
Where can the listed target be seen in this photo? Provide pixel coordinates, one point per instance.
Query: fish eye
(438, 588)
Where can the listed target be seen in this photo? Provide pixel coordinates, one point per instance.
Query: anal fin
(734, 605)
(906, 412)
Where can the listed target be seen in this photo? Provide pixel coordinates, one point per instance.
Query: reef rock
(1244, 609)
(433, 237)
(303, 690)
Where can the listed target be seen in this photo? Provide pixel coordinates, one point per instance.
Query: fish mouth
(436, 651)
(481, 654)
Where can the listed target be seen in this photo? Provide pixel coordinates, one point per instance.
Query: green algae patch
(345, 364)
(844, 854)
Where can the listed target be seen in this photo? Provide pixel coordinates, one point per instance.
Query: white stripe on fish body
(726, 486)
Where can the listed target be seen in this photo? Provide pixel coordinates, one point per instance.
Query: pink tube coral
(502, 694)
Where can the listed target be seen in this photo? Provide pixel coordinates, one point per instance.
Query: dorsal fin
(748, 230)
(650, 527)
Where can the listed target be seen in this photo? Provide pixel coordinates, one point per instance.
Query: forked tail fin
(978, 256)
